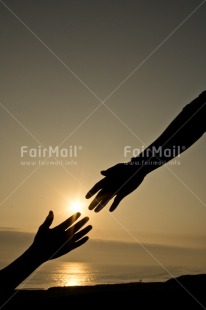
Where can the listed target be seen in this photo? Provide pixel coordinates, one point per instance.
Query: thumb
(112, 170)
(108, 171)
(48, 221)
(115, 203)
(104, 172)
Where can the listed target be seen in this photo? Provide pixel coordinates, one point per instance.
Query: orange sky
(96, 78)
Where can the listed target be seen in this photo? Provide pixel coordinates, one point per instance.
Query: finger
(104, 172)
(68, 222)
(80, 242)
(48, 221)
(107, 172)
(82, 232)
(93, 204)
(115, 203)
(103, 203)
(75, 240)
(99, 207)
(111, 170)
(103, 194)
(95, 189)
(72, 230)
(68, 247)
(95, 201)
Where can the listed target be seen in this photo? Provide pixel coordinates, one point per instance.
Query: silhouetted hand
(49, 243)
(57, 241)
(120, 180)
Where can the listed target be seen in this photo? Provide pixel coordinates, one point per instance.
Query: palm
(120, 180)
(55, 242)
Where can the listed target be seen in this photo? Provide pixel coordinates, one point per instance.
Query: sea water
(53, 274)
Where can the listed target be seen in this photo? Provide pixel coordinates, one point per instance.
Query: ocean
(63, 274)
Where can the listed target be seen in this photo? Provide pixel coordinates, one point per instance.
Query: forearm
(16, 272)
(182, 133)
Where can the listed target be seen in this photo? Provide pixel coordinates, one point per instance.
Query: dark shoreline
(184, 292)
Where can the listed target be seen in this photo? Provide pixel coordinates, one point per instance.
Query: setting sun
(76, 206)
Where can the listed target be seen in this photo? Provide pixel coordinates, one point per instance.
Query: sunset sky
(90, 78)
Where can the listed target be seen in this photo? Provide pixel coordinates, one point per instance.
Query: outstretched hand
(120, 180)
(51, 243)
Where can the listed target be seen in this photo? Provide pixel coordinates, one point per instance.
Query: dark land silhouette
(184, 292)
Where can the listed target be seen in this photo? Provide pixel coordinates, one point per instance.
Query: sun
(76, 206)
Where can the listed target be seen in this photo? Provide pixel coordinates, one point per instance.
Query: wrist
(35, 255)
(138, 164)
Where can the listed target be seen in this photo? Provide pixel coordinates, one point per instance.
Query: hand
(120, 180)
(52, 243)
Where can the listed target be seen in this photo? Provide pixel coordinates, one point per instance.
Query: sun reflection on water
(62, 274)
(73, 282)
(74, 274)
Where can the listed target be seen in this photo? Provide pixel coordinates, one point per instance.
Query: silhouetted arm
(15, 273)
(182, 133)
(122, 179)
(48, 244)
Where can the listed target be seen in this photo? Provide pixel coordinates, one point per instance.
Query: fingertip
(48, 221)
(88, 195)
(112, 208)
(100, 206)
(85, 220)
(90, 207)
(76, 215)
(51, 214)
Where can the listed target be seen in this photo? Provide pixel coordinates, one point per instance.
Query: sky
(91, 78)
